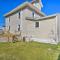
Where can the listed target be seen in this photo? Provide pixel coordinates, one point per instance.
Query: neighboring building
(32, 24)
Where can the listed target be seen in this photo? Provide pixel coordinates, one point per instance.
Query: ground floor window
(18, 27)
(9, 28)
(37, 24)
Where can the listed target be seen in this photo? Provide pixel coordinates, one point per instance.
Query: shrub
(59, 57)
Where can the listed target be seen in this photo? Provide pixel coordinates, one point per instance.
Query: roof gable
(23, 6)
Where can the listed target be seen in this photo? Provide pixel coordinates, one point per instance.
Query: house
(28, 22)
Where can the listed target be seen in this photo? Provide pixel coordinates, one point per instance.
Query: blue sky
(49, 7)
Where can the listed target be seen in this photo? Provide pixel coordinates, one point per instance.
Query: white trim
(56, 29)
(41, 18)
(51, 41)
(23, 5)
(18, 7)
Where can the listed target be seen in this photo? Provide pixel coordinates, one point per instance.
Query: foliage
(59, 57)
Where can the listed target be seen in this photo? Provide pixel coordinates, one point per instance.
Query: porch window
(37, 24)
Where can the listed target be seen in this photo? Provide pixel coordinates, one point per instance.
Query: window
(9, 28)
(18, 27)
(19, 15)
(37, 24)
(9, 19)
(33, 14)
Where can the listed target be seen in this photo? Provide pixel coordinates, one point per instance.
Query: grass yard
(28, 51)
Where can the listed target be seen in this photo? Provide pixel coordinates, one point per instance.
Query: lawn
(28, 51)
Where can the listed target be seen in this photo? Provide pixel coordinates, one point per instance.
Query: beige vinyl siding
(44, 30)
(25, 13)
(7, 23)
(13, 22)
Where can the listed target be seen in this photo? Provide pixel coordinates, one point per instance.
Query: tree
(8, 35)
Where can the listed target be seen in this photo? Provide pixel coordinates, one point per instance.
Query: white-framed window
(9, 28)
(19, 15)
(37, 24)
(33, 14)
(18, 27)
(9, 19)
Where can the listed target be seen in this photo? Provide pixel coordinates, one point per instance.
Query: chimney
(38, 4)
(36, 0)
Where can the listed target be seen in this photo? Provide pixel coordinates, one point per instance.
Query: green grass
(28, 51)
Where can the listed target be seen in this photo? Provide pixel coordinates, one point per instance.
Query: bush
(59, 57)
(24, 39)
(14, 39)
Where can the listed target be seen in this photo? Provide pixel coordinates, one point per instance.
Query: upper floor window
(9, 19)
(33, 14)
(18, 27)
(37, 24)
(19, 15)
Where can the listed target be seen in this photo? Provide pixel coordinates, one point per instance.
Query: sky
(49, 7)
